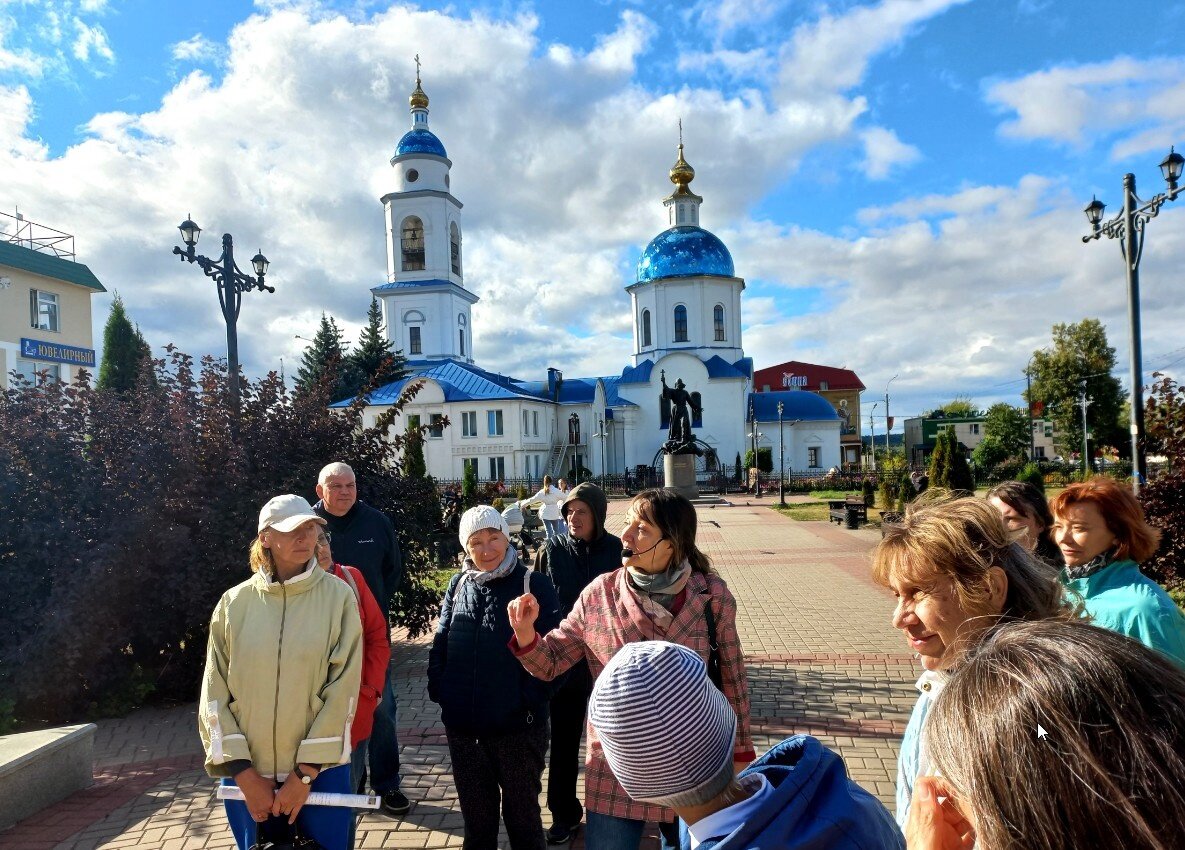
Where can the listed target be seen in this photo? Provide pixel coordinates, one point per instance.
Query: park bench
(37, 769)
(848, 512)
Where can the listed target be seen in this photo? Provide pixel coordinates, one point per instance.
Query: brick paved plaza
(822, 659)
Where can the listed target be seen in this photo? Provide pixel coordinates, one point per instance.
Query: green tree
(126, 354)
(989, 453)
(413, 454)
(960, 406)
(765, 459)
(1079, 355)
(373, 362)
(469, 485)
(1009, 426)
(323, 361)
(1163, 496)
(939, 461)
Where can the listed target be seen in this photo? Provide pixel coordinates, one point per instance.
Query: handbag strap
(713, 648)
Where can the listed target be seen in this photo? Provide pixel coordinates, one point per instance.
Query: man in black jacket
(364, 537)
(571, 561)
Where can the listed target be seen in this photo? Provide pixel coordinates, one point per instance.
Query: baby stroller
(520, 538)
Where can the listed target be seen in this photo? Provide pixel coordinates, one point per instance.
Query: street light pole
(232, 282)
(1129, 226)
(1085, 402)
(781, 459)
(888, 419)
(872, 437)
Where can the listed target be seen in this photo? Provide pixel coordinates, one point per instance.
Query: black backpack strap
(713, 648)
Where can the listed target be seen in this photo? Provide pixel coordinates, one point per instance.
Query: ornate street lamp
(1129, 225)
(232, 282)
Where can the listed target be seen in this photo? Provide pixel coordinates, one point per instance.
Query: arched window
(412, 244)
(718, 322)
(645, 328)
(455, 247)
(680, 324)
(461, 332)
(414, 319)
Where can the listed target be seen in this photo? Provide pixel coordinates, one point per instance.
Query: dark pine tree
(324, 360)
(413, 454)
(125, 351)
(373, 363)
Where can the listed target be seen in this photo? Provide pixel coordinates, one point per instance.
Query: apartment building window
(414, 346)
(436, 425)
(974, 427)
(469, 423)
(1039, 452)
(36, 372)
(43, 311)
(497, 468)
(494, 423)
(812, 457)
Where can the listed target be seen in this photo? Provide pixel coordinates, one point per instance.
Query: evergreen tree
(413, 454)
(373, 362)
(323, 360)
(469, 485)
(125, 351)
(737, 476)
(939, 464)
(959, 476)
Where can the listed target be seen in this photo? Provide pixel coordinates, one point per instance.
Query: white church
(686, 307)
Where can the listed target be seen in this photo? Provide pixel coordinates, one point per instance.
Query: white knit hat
(479, 517)
(666, 730)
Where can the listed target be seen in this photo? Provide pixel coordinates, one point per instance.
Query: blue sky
(900, 182)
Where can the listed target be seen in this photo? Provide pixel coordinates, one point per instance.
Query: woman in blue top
(1100, 528)
(956, 572)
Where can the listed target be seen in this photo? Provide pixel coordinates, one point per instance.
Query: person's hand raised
(935, 825)
(523, 613)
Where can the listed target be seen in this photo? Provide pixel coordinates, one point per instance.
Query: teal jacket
(1121, 598)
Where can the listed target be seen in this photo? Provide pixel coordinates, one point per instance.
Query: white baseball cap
(285, 513)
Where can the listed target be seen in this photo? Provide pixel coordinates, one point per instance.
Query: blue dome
(796, 404)
(684, 251)
(420, 141)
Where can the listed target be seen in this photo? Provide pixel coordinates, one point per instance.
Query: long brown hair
(1109, 773)
(675, 518)
(1025, 498)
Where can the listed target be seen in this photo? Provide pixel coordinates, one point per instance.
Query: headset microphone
(627, 552)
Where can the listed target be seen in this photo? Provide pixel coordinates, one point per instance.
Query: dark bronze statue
(680, 440)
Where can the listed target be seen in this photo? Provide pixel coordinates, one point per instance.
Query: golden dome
(418, 99)
(682, 173)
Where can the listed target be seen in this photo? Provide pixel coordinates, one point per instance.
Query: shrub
(469, 486)
(128, 514)
(869, 492)
(765, 459)
(1032, 474)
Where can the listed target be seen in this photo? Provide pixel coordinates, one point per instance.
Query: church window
(469, 463)
(645, 328)
(812, 454)
(497, 468)
(461, 319)
(526, 423)
(435, 425)
(412, 244)
(412, 175)
(468, 423)
(461, 332)
(680, 324)
(455, 247)
(718, 322)
(414, 345)
(494, 423)
(535, 424)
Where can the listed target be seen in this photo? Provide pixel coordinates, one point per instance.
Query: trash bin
(852, 516)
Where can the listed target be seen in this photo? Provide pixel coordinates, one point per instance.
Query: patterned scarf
(472, 573)
(1098, 562)
(656, 592)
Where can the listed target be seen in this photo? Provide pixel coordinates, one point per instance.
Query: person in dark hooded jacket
(571, 561)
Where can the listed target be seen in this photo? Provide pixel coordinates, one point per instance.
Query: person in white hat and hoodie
(495, 713)
(289, 624)
(668, 733)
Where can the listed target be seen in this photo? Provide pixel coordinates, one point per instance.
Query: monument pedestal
(679, 473)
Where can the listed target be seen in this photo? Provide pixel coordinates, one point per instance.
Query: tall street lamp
(600, 434)
(872, 437)
(232, 282)
(781, 459)
(1128, 225)
(888, 418)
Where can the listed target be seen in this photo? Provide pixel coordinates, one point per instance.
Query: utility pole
(888, 419)
(872, 437)
(1029, 402)
(1082, 399)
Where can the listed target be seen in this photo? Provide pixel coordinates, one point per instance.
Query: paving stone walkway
(822, 659)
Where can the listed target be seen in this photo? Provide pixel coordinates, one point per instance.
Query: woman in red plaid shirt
(665, 590)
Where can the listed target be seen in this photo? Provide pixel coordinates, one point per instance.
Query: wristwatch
(301, 775)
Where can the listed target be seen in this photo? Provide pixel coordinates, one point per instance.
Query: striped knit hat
(667, 732)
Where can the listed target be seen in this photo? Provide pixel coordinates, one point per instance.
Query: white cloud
(93, 7)
(737, 63)
(1139, 104)
(19, 60)
(91, 40)
(196, 48)
(721, 17)
(883, 152)
(16, 112)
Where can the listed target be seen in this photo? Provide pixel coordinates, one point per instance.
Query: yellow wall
(74, 311)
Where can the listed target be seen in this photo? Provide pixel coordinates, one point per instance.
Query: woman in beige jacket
(290, 624)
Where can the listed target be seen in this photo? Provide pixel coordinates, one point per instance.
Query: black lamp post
(1128, 225)
(781, 459)
(574, 436)
(232, 282)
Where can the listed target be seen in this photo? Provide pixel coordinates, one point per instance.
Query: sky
(900, 183)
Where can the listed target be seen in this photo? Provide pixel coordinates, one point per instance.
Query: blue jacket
(481, 687)
(814, 806)
(1121, 598)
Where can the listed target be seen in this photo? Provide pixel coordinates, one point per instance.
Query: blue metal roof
(684, 251)
(411, 284)
(718, 367)
(420, 141)
(459, 381)
(797, 404)
(639, 374)
(612, 397)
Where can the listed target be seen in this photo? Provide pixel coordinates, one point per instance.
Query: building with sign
(45, 303)
(841, 387)
(685, 301)
(921, 434)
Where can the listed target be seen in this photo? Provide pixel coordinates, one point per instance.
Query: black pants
(506, 769)
(568, 708)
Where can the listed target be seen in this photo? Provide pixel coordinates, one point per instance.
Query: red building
(841, 387)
